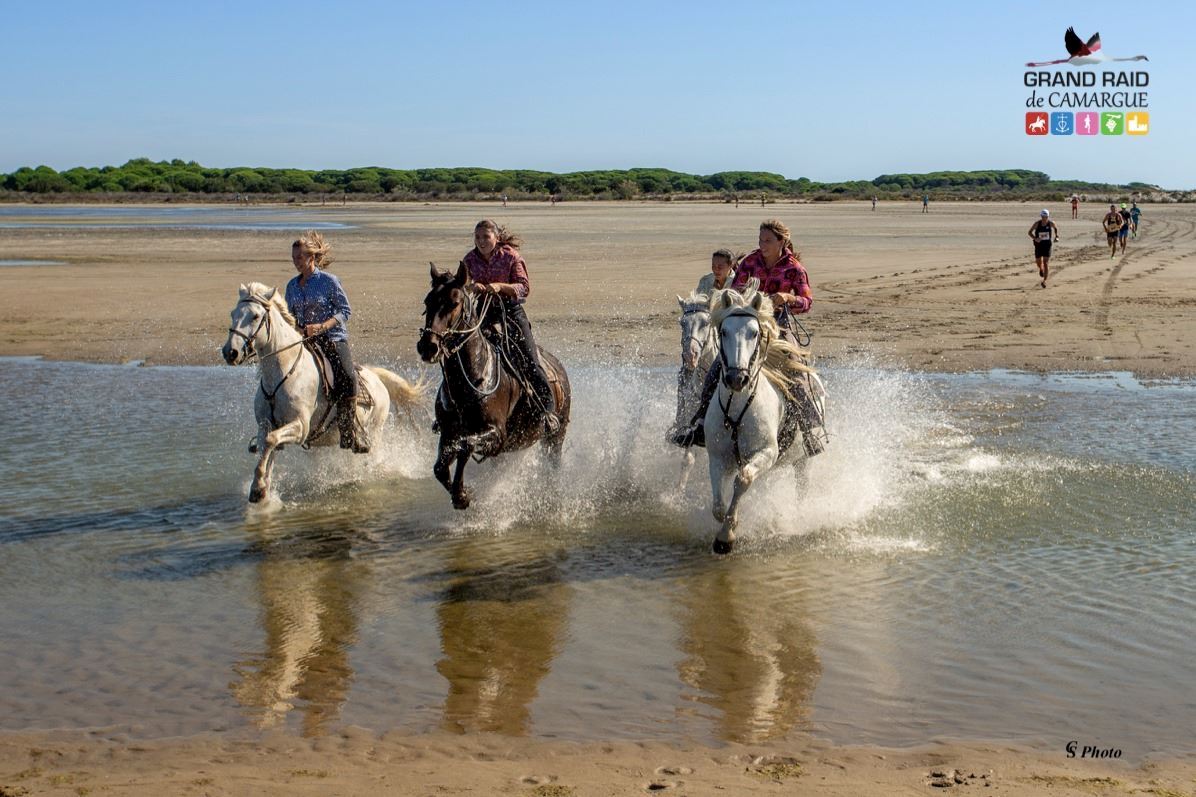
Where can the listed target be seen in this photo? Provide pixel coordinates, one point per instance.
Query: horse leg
(724, 541)
(687, 463)
(444, 456)
(720, 482)
(461, 494)
(292, 432)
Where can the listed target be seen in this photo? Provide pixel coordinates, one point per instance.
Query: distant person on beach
(321, 311)
(504, 200)
(784, 279)
(1135, 212)
(1124, 233)
(763, 196)
(1075, 206)
(500, 274)
(873, 203)
(925, 203)
(1112, 224)
(1042, 233)
(722, 271)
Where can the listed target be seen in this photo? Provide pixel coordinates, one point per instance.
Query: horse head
(250, 316)
(696, 331)
(742, 339)
(446, 309)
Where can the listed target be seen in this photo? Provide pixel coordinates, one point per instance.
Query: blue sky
(829, 91)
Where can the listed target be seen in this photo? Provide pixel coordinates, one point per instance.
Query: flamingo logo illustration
(1083, 53)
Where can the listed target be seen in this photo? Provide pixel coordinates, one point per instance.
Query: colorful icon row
(1087, 123)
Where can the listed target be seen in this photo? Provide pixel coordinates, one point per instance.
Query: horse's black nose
(229, 353)
(736, 378)
(426, 350)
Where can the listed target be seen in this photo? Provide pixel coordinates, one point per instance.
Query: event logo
(1087, 103)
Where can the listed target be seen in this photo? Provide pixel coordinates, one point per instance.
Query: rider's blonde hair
(780, 230)
(784, 362)
(312, 243)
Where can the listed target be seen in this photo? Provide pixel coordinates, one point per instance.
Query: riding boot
(352, 436)
(807, 419)
(695, 433)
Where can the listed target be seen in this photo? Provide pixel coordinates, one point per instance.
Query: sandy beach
(954, 289)
(358, 763)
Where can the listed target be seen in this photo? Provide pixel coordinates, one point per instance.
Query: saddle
(324, 368)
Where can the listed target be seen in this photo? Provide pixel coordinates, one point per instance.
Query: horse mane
(784, 363)
(695, 301)
(263, 292)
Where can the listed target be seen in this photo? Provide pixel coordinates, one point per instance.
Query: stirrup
(692, 435)
(552, 424)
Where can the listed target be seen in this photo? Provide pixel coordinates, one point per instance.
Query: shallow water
(217, 217)
(985, 556)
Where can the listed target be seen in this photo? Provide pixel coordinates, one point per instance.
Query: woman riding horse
(784, 280)
(497, 269)
(321, 308)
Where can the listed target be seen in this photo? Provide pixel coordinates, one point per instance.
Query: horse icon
(1037, 125)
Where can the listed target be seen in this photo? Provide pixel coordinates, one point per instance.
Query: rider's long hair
(312, 243)
(784, 362)
(505, 237)
(780, 230)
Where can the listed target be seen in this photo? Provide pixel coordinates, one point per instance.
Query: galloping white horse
(289, 405)
(744, 434)
(698, 347)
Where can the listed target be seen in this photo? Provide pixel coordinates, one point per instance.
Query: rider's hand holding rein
(311, 330)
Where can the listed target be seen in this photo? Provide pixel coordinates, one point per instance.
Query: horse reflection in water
(310, 591)
(501, 627)
(755, 663)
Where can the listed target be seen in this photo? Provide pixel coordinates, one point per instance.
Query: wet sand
(954, 289)
(359, 763)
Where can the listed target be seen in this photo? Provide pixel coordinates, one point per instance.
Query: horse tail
(404, 395)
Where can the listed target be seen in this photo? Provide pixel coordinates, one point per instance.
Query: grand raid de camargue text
(1127, 97)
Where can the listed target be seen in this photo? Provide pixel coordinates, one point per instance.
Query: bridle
(755, 365)
(247, 348)
(465, 333)
(709, 334)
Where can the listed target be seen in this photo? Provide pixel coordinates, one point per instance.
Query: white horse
(744, 434)
(698, 346)
(290, 406)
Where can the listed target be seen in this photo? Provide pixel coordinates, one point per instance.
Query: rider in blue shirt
(321, 310)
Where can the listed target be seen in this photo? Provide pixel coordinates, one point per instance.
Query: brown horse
(483, 407)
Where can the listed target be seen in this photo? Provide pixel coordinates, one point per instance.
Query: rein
(455, 351)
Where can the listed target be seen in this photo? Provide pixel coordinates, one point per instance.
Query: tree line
(143, 176)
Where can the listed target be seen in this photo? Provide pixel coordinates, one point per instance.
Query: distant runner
(1124, 233)
(1075, 206)
(1042, 232)
(1135, 212)
(1112, 225)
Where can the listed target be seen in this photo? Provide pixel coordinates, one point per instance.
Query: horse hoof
(462, 501)
(722, 547)
(253, 447)
(256, 495)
